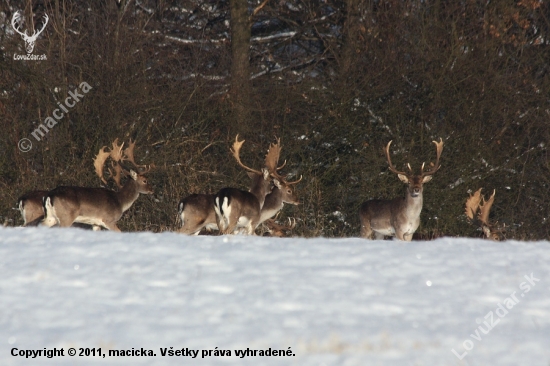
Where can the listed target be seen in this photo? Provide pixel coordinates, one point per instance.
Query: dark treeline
(335, 80)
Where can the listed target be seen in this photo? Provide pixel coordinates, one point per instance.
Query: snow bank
(327, 301)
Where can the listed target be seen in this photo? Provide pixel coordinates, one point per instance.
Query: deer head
(118, 155)
(271, 163)
(29, 40)
(415, 181)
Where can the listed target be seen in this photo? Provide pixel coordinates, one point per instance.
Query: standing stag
(236, 209)
(99, 206)
(399, 217)
(282, 191)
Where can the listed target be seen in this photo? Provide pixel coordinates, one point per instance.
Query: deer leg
(378, 236)
(366, 230)
(66, 220)
(407, 236)
(111, 226)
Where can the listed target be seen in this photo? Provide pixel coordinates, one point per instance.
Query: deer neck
(260, 189)
(128, 194)
(413, 205)
(273, 203)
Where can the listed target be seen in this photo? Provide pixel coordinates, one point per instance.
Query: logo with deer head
(29, 40)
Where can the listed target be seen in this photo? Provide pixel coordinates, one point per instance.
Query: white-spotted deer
(99, 206)
(237, 209)
(399, 217)
(476, 202)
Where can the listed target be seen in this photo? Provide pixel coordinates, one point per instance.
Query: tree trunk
(240, 65)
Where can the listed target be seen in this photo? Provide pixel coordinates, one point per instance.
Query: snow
(332, 301)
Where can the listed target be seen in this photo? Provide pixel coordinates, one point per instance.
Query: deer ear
(403, 178)
(266, 174)
(251, 175)
(427, 179)
(133, 174)
(277, 183)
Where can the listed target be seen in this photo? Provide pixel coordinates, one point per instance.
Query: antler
(99, 162)
(37, 33)
(278, 229)
(472, 204)
(16, 18)
(129, 156)
(236, 151)
(439, 149)
(272, 158)
(477, 202)
(392, 168)
(271, 161)
(486, 208)
(117, 155)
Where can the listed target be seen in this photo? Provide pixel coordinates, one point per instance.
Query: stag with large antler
(99, 206)
(477, 202)
(29, 40)
(282, 191)
(197, 210)
(399, 217)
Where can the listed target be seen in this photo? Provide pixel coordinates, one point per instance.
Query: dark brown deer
(399, 217)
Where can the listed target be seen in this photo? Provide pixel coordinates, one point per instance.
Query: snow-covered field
(332, 301)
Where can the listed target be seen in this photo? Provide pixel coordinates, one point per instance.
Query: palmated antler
(129, 156)
(236, 152)
(117, 155)
(271, 161)
(472, 204)
(476, 202)
(99, 162)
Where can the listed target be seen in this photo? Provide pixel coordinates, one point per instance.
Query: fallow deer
(399, 217)
(31, 207)
(282, 191)
(196, 212)
(240, 209)
(99, 206)
(278, 230)
(476, 202)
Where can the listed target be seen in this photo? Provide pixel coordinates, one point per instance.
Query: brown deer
(31, 207)
(236, 209)
(278, 230)
(99, 206)
(476, 202)
(399, 217)
(197, 210)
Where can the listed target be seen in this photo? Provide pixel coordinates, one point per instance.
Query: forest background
(335, 80)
